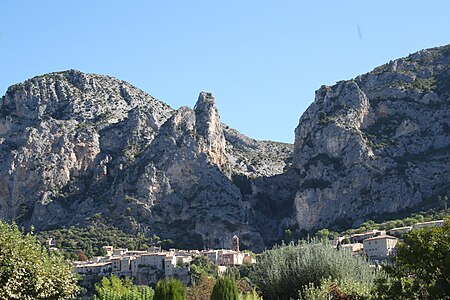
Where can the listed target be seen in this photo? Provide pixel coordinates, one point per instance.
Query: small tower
(235, 243)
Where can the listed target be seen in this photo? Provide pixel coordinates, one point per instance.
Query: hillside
(79, 148)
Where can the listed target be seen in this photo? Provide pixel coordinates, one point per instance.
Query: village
(147, 267)
(378, 245)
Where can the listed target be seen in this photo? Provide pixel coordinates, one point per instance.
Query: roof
(430, 222)
(381, 237)
(367, 232)
(401, 228)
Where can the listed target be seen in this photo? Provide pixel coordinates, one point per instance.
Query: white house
(380, 247)
(429, 224)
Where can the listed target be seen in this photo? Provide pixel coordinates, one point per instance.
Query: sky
(262, 60)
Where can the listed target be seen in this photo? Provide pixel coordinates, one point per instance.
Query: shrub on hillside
(170, 289)
(281, 272)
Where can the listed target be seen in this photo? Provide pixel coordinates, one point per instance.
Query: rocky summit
(79, 148)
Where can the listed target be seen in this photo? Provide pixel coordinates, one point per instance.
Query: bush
(421, 267)
(121, 289)
(202, 289)
(170, 289)
(281, 272)
(333, 289)
(28, 271)
(225, 289)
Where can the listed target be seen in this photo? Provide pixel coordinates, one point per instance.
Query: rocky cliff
(80, 148)
(376, 144)
(76, 147)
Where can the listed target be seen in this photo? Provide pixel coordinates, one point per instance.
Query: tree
(114, 288)
(326, 234)
(281, 272)
(421, 268)
(225, 289)
(29, 271)
(202, 289)
(170, 289)
(201, 266)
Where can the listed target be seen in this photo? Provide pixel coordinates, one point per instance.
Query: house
(399, 231)
(380, 247)
(355, 248)
(230, 257)
(119, 252)
(121, 264)
(153, 260)
(109, 250)
(360, 237)
(91, 268)
(213, 255)
(429, 224)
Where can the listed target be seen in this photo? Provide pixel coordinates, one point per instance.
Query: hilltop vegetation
(91, 239)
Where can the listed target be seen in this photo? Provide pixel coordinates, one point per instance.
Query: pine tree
(170, 289)
(225, 289)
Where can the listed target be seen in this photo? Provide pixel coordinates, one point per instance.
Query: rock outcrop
(77, 145)
(377, 144)
(76, 148)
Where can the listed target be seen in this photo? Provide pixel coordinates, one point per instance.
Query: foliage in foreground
(281, 272)
(28, 271)
(121, 289)
(421, 267)
(337, 289)
(225, 289)
(203, 289)
(170, 289)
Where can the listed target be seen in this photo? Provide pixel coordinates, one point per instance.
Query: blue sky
(262, 60)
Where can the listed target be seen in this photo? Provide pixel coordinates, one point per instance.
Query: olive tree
(29, 271)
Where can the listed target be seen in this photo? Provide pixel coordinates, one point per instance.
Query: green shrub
(421, 267)
(281, 272)
(170, 289)
(253, 295)
(225, 289)
(333, 289)
(28, 271)
(121, 289)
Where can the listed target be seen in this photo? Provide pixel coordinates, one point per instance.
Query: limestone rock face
(376, 144)
(209, 128)
(75, 145)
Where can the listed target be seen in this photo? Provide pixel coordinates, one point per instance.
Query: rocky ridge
(77, 145)
(376, 144)
(80, 148)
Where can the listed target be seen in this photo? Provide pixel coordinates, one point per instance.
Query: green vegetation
(90, 240)
(28, 271)
(425, 84)
(202, 289)
(421, 268)
(430, 215)
(170, 289)
(201, 267)
(282, 272)
(225, 289)
(337, 289)
(114, 288)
